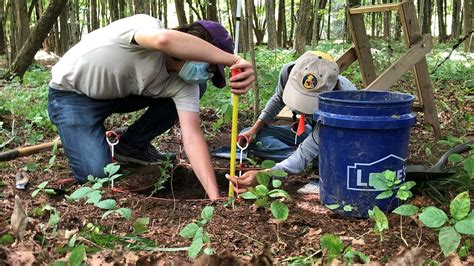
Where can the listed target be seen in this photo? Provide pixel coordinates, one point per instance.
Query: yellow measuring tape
(233, 143)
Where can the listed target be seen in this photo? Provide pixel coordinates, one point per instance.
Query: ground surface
(241, 230)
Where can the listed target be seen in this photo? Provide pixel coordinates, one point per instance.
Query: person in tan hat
(299, 84)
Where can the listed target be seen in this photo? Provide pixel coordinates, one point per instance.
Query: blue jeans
(80, 123)
(276, 143)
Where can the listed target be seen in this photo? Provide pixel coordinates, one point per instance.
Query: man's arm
(189, 47)
(197, 151)
(300, 159)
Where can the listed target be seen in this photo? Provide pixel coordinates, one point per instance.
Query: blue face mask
(195, 72)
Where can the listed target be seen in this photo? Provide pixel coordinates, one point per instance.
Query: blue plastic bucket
(361, 132)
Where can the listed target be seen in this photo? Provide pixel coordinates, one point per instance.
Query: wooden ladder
(418, 46)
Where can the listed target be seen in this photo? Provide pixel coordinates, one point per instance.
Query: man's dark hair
(197, 30)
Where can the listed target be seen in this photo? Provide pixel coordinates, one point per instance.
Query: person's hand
(241, 83)
(241, 184)
(250, 135)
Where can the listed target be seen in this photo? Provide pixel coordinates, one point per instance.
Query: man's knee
(91, 166)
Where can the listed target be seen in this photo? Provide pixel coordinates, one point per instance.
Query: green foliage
(165, 168)
(335, 250)
(77, 256)
(93, 194)
(42, 187)
(200, 238)
(388, 182)
(140, 225)
(381, 222)
(451, 229)
(269, 198)
(7, 239)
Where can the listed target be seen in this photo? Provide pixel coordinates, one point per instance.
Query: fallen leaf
(359, 242)
(18, 220)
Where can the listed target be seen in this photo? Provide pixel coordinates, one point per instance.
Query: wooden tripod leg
(423, 83)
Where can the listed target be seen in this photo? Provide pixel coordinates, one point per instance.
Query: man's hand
(241, 83)
(242, 183)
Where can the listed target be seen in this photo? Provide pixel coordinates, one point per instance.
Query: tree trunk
(19, 25)
(372, 15)
(249, 20)
(113, 9)
(3, 43)
(300, 30)
(94, 15)
(292, 21)
(281, 24)
(139, 6)
(165, 13)
(329, 19)
(271, 23)
(121, 9)
(386, 23)
(398, 28)
(315, 27)
(441, 23)
(34, 40)
(468, 23)
(456, 24)
(180, 13)
(212, 10)
(64, 32)
(131, 10)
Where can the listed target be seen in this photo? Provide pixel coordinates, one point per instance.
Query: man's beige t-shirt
(106, 65)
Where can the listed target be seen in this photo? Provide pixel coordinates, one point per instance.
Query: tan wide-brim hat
(313, 73)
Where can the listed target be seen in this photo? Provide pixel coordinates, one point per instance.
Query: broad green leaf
(333, 206)
(94, 197)
(59, 263)
(49, 191)
(54, 219)
(278, 193)
(111, 169)
(80, 193)
(403, 194)
(350, 254)
(347, 208)
(384, 195)
(248, 195)
(267, 164)
(72, 241)
(279, 210)
(278, 173)
(460, 206)
(206, 238)
(276, 183)
(469, 166)
(465, 226)
(381, 222)
(107, 204)
(406, 210)
(455, 158)
(140, 225)
(77, 255)
(449, 240)
(91, 178)
(377, 181)
(189, 231)
(97, 186)
(35, 192)
(263, 178)
(125, 213)
(207, 213)
(261, 190)
(407, 185)
(433, 217)
(196, 245)
(43, 184)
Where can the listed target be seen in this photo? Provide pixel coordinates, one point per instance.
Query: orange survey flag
(300, 126)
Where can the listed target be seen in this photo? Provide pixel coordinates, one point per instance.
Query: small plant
(380, 219)
(388, 182)
(42, 187)
(263, 195)
(335, 249)
(451, 230)
(345, 207)
(93, 194)
(165, 169)
(199, 236)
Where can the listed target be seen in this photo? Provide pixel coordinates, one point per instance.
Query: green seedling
(264, 196)
(450, 229)
(335, 249)
(42, 187)
(165, 169)
(345, 207)
(93, 194)
(197, 233)
(380, 219)
(387, 181)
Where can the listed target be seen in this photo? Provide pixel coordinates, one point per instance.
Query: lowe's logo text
(358, 174)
